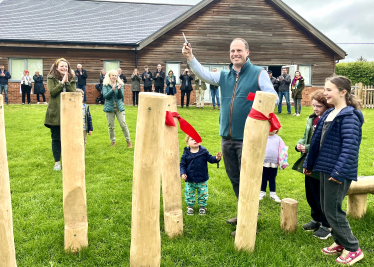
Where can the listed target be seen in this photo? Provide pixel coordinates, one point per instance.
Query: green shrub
(357, 71)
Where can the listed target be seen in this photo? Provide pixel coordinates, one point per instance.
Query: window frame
(310, 71)
(25, 67)
(118, 64)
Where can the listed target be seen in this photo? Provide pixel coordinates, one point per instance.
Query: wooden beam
(7, 250)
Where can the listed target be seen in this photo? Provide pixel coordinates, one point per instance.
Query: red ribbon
(184, 125)
(254, 114)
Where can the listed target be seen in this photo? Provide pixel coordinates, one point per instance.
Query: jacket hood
(202, 150)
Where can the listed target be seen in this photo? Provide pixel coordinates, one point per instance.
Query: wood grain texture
(7, 249)
(289, 215)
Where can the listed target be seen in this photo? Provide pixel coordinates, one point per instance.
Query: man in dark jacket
(284, 90)
(273, 81)
(159, 77)
(81, 84)
(186, 86)
(4, 77)
(123, 78)
(147, 79)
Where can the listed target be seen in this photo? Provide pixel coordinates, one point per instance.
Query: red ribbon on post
(254, 114)
(184, 125)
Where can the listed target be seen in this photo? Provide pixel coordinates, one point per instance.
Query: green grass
(38, 213)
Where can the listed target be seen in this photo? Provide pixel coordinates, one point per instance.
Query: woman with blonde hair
(60, 78)
(113, 91)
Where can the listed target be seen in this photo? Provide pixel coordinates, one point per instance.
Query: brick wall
(16, 98)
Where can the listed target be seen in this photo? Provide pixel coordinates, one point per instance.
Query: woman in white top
(26, 86)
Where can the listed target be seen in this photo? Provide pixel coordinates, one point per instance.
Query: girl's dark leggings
(56, 142)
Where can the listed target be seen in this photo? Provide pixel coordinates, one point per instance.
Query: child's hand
(90, 132)
(184, 177)
(219, 156)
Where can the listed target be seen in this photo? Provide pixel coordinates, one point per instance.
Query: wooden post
(289, 215)
(256, 134)
(171, 181)
(73, 172)
(357, 196)
(359, 91)
(145, 247)
(356, 205)
(7, 250)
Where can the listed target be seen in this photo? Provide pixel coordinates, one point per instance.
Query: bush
(357, 71)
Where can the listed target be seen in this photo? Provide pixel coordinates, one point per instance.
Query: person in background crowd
(102, 76)
(200, 88)
(214, 91)
(147, 79)
(297, 88)
(170, 83)
(39, 86)
(273, 81)
(26, 85)
(59, 77)
(87, 120)
(81, 76)
(284, 90)
(186, 87)
(124, 80)
(135, 87)
(319, 224)
(4, 77)
(159, 78)
(113, 107)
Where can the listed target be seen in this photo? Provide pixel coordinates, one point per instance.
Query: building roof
(95, 22)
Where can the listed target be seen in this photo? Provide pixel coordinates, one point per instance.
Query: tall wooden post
(73, 172)
(171, 181)
(7, 250)
(256, 134)
(145, 247)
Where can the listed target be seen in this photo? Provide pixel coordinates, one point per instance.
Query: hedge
(357, 71)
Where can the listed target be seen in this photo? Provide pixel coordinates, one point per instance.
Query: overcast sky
(343, 21)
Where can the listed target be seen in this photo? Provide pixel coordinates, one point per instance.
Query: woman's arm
(107, 92)
(54, 89)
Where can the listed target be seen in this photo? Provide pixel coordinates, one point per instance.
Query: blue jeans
(5, 87)
(286, 94)
(297, 103)
(83, 87)
(215, 93)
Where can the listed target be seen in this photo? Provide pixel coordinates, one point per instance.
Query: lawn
(38, 213)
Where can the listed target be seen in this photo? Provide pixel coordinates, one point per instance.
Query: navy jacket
(195, 164)
(89, 126)
(81, 78)
(339, 153)
(4, 79)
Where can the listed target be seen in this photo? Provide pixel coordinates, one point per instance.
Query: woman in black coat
(39, 86)
(186, 86)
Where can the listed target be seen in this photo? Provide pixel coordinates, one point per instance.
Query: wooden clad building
(149, 34)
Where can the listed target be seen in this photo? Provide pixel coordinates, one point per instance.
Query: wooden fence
(365, 94)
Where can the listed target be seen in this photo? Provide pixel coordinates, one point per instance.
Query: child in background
(333, 152)
(194, 171)
(87, 120)
(276, 155)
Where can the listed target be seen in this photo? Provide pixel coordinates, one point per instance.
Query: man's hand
(89, 132)
(219, 156)
(307, 172)
(2, 74)
(187, 51)
(336, 181)
(184, 177)
(157, 75)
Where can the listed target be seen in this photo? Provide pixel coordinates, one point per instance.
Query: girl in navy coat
(194, 171)
(333, 152)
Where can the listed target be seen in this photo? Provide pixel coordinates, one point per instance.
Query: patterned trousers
(202, 193)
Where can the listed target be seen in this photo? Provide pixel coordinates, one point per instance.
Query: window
(306, 72)
(176, 68)
(18, 65)
(207, 94)
(111, 65)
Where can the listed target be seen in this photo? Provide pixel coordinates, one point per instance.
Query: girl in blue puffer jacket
(333, 152)
(194, 171)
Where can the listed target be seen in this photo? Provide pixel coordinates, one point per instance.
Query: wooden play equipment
(145, 247)
(171, 181)
(7, 250)
(256, 134)
(73, 172)
(289, 215)
(357, 196)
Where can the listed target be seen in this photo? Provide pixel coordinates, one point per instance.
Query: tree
(361, 59)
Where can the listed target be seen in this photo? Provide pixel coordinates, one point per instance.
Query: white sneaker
(297, 114)
(46, 103)
(274, 197)
(38, 103)
(262, 195)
